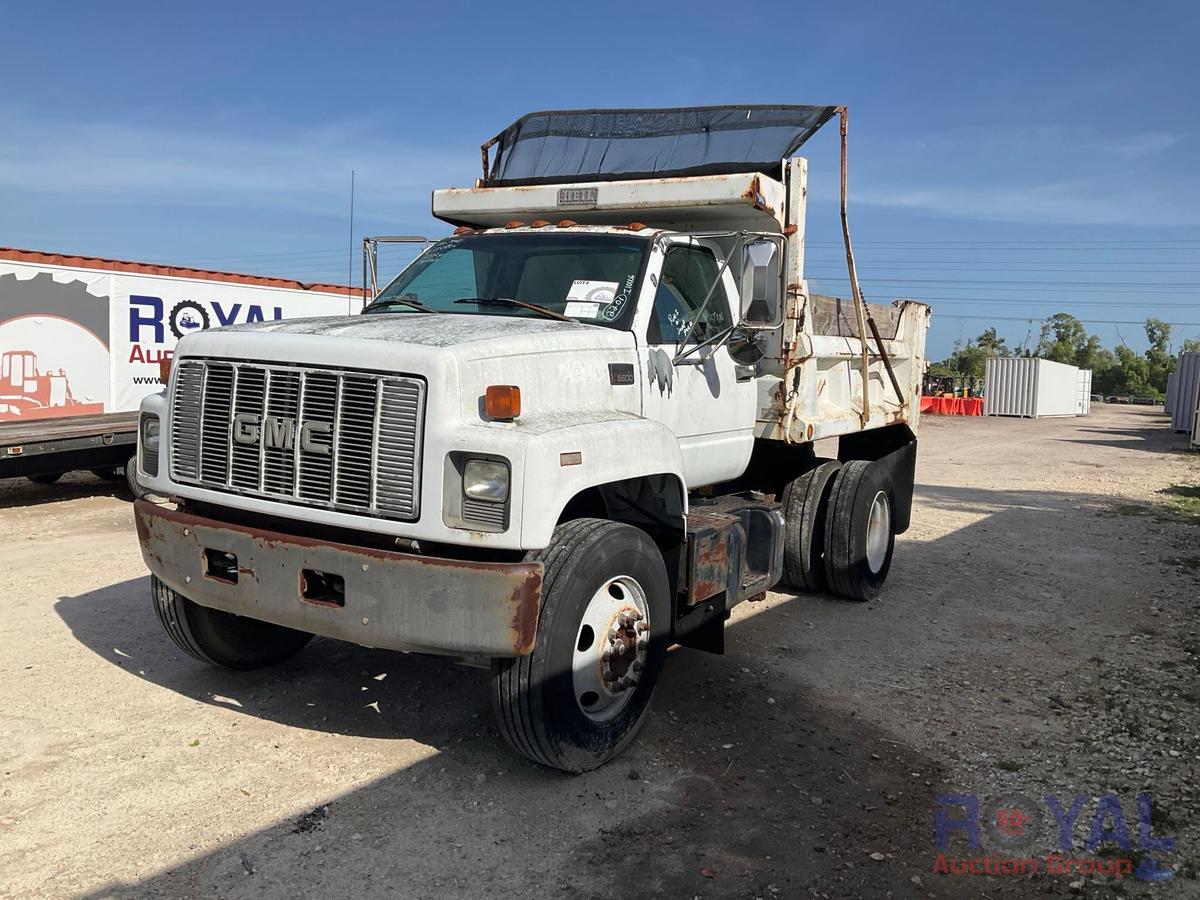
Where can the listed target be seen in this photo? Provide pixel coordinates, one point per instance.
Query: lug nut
(620, 649)
(636, 666)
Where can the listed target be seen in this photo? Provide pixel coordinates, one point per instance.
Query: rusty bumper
(377, 598)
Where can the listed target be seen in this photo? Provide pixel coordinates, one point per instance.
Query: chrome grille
(372, 437)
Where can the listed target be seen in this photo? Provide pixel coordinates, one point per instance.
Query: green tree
(1160, 362)
(992, 344)
(1134, 373)
(1191, 345)
(1063, 339)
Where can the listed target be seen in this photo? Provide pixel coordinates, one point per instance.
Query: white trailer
(82, 339)
(573, 433)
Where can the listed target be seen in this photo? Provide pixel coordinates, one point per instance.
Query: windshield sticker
(581, 309)
(601, 292)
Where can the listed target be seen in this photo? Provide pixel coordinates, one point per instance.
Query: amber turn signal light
(164, 368)
(502, 401)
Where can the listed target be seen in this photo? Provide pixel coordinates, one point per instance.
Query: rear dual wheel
(839, 532)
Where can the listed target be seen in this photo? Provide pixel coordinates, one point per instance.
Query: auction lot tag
(585, 298)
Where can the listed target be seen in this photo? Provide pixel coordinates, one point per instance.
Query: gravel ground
(1039, 634)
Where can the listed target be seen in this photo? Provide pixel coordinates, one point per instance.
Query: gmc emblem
(279, 433)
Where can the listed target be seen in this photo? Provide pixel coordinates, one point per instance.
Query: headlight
(150, 429)
(485, 479)
(148, 432)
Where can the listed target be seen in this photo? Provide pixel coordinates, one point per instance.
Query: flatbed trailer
(49, 447)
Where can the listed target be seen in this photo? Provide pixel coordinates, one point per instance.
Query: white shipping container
(1187, 381)
(82, 337)
(1030, 387)
(1083, 405)
(1169, 400)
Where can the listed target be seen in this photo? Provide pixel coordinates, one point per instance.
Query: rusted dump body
(396, 601)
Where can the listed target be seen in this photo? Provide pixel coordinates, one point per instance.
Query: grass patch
(1183, 500)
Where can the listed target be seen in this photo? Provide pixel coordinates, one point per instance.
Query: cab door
(701, 395)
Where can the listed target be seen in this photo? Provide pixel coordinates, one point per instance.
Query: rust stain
(526, 602)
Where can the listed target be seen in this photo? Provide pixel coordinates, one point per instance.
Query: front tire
(131, 479)
(581, 696)
(859, 534)
(220, 638)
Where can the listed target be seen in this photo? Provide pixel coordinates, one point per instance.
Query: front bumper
(396, 601)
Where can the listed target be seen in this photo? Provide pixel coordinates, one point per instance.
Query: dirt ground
(1039, 634)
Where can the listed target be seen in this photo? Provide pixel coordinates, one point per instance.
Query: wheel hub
(611, 648)
(879, 531)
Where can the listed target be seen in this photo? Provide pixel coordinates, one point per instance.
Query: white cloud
(300, 169)
(1091, 201)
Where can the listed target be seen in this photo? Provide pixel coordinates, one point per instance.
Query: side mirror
(760, 285)
(746, 347)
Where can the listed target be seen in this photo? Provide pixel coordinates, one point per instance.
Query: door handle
(744, 373)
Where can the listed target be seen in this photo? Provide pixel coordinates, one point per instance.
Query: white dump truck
(573, 434)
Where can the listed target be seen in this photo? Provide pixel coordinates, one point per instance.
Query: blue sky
(1007, 160)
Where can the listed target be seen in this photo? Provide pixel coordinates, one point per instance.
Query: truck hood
(472, 333)
(561, 366)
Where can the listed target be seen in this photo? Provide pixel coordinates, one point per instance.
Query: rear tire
(220, 638)
(46, 478)
(575, 703)
(859, 536)
(804, 511)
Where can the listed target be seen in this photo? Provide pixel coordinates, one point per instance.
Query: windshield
(589, 277)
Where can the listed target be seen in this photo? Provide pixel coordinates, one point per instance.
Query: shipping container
(1169, 400)
(1030, 387)
(1195, 440)
(1187, 380)
(81, 339)
(1083, 404)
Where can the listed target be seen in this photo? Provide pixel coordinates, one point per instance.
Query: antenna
(350, 259)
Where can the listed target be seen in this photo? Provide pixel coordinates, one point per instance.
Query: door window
(687, 275)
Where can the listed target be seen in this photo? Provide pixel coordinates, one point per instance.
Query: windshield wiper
(509, 301)
(403, 301)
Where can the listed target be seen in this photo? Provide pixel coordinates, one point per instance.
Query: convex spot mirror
(760, 285)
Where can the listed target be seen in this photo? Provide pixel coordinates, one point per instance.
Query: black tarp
(614, 144)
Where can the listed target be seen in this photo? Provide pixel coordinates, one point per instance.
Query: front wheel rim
(611, 646)
(879, 531)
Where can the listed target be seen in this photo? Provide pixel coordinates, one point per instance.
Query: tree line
(1064, 339)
